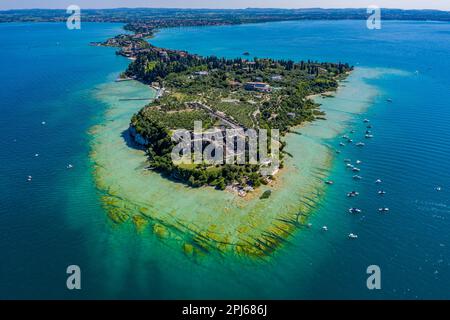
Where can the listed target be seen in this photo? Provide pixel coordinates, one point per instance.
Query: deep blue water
(49, 72)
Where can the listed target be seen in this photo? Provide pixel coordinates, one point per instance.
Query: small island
(221, 93)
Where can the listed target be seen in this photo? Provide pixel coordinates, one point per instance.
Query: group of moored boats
(348, 163)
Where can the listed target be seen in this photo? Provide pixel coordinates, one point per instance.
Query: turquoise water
(52, 75)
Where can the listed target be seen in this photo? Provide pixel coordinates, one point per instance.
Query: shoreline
(204, 221)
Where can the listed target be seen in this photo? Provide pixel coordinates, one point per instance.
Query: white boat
(356, 169)
(29, 178)
(354, 210)
(353, 236)
(43, 123)
(325, 228)
(368, 136)
(360, 144)
(381, 192)
(329, 182)
(366, 120)
(383, 209)
(352, 194)
(69, 166)
(358, 161)
(378, 181)
(36, 155)
(438, 188)
(356, 177)
(349, 165)
(341, 144)
(347, 160)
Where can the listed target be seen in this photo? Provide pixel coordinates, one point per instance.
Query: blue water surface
(49, 74)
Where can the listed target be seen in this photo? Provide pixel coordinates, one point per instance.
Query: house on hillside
(257, 86)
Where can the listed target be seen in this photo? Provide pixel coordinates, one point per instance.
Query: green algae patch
(160, 231)
(139, 222)
(266, 195)
(117, 215)
(188, 249)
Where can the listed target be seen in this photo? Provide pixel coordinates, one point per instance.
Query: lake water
(51, 75)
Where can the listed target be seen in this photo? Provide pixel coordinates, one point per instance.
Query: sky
(62, 4)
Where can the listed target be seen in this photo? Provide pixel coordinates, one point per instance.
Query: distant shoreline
(220, 16)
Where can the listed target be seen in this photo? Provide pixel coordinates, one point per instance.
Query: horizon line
(248, 8)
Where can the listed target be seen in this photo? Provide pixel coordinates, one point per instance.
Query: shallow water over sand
(205, 220)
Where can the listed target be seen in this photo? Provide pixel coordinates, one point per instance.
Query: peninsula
(222, 94)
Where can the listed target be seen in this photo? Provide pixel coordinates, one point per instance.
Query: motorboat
(378, 181)
(381, 192)
(329, 182)
(366, 120)
(354, 210)
(360, 144)
(347, 160)
(383, 209)
(358, 161)
(325, 228)
(356, 169)
(356, 177)
(368, 136)
(352, 194)
(353, 236)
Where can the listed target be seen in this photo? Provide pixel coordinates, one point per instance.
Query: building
(257, 86)
(291, 114)
(277, 77)
(201, 73)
